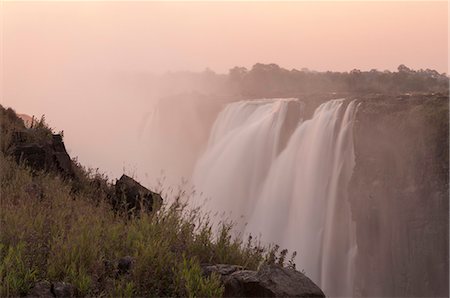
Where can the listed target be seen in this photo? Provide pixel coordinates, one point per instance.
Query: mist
(319, 126)
(97, 69)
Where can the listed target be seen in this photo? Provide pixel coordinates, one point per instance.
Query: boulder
(268, 281)
(287, 282)
(51, 155)
(132, 196)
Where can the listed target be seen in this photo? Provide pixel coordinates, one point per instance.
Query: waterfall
(295, 197)
(241, 149)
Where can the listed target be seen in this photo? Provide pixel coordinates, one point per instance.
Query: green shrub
(16, 276)
(196, 284)
(67, 236)
(57, 229)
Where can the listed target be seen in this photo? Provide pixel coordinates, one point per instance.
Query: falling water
(241, 149)
(297, 198)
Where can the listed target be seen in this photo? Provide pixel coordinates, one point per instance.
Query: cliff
(399, 196)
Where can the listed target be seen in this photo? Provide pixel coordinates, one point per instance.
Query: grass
(52, 229)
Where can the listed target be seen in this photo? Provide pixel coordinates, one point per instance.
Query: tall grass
(56, 229)
(49, 232)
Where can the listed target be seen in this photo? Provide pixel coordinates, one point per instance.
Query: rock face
(268, 281)
(44, 156)
(133, 196)
(399, 197)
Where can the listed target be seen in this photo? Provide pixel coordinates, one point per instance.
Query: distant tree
(403, 68)
(271, 80)
(236, 74)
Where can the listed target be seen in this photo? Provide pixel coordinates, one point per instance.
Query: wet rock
(399, 197)
(132, 196)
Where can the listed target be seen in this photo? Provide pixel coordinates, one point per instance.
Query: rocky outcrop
(268, 281)
(48, 156)
(132, 196)
(399, 196)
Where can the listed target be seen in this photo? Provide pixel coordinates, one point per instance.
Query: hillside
(69, 231)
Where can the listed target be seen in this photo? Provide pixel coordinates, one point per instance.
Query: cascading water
(298, 198)
(241, 149)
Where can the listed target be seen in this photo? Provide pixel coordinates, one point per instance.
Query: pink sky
(58, 58)
(164, 36)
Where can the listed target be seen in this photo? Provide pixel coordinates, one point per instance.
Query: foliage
(270, 80)
(16, 277)
(198, 285)
(60, 229)
(12, 127)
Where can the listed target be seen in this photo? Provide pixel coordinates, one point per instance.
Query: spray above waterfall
(293, 194)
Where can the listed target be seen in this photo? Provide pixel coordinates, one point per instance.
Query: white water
(297, 198)
(241, 149)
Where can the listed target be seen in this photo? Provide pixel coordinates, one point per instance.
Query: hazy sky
(58, 59)
(162, 36)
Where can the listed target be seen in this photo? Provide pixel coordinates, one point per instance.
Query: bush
(66, 236)
(64, 230)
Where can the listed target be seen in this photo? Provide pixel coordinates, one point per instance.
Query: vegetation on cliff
(59, 228)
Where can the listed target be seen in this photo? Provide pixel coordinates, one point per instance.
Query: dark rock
(245, 283)
(132, 196)
(51, 155)
(124, 265)
(287, 282)
(269, 281)
(62, 289)
(41, 289)
(34, 155)
(62, 160)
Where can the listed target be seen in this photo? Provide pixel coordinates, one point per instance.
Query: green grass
(63, 236)
(64, 230)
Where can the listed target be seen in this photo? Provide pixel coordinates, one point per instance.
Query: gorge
(359, 189)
